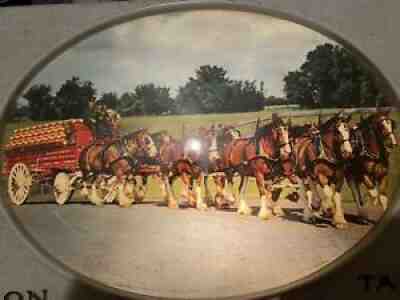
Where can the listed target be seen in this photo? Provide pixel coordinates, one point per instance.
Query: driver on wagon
(103, 121)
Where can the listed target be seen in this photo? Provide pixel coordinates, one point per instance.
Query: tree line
(329, 77)
(209, 91)
(332, 77)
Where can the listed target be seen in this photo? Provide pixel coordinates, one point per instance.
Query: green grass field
(179, 126)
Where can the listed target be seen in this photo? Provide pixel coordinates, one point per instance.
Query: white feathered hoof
(95, 198)
(111, 196)
(124, 201)
(84, 191)
(140, 194)
(244, 209)
(341, 225)
(172, 203)
(265, 214)
(277, 210)
(125, 196)
(200, 205)
(230, 199)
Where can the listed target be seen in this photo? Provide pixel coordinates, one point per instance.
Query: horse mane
(367, 122)
(130, 135)
(277, 122)
(265, 130)
(328, 124)
(299, 130)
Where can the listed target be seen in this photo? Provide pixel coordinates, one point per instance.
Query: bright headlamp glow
(194, 145)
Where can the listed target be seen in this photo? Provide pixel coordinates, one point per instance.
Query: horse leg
(382, 192)
(94, 196)
(265, 212)
(84, 189)
(230, 196)
(162, 188)
(372, 189)
(141, 193)
(308, 216)
(220, 187)
(200, 204)
(243, 209)
(327, 204)
(207, 192)
(356, 192)
(276, 208)
(171, 200)
(338, 219)
(111, 185)
(126, 191)
(186, 193)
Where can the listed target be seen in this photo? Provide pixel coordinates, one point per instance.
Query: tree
(211, 91)
(129, 105)
(72, 98)
(110, 100)
(41, 103)
(154, 100)
(272, 100)
(298, 89)
(206, 92)
(331, 77)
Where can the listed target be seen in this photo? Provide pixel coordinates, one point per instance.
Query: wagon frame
(47, 153)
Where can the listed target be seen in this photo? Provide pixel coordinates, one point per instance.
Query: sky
(167, 49)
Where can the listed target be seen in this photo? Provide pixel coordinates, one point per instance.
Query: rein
(122, 152)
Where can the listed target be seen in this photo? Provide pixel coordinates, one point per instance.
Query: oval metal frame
(156, 9)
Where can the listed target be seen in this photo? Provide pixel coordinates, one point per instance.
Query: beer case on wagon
(43, 154)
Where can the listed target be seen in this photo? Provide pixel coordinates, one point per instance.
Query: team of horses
(316, 158)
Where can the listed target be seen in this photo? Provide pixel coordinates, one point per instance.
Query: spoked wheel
(62, 188)
(19, 183)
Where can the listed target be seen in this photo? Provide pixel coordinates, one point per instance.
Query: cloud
(166, 49)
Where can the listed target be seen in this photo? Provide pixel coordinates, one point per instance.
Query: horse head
(147, 143)
(280, 136)
(230, 133)
(164, 138)
(140, 140)
(385, 127)
(338, 127)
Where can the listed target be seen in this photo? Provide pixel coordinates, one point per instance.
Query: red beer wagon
(45, 153)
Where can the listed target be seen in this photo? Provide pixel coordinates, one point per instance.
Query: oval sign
(202, 153)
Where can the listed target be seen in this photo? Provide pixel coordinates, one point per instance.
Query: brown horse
(373, 140)
(214, 141)
(109, 167)
(113, 120)
(177, 162)
(267, 166)
(321, 159)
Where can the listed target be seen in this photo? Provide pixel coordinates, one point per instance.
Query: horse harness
(364, 152)
(123, 155)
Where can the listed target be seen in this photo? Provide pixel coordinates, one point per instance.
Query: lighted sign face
(201, 154)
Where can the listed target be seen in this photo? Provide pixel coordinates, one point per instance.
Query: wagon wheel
(62, 188)
(19, 183)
